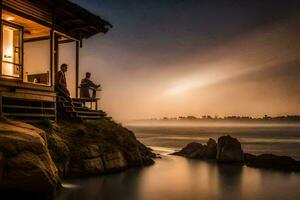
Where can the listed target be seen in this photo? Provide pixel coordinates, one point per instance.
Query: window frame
(21, 49)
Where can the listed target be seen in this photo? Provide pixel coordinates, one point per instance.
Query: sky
(168, 58)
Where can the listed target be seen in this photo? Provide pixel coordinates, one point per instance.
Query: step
(76, 107)
(28, 115)
(83, 112)
(27, 107)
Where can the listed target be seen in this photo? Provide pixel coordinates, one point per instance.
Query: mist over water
(178, 178)
(256, 138)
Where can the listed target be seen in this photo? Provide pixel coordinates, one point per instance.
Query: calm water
(177, 178)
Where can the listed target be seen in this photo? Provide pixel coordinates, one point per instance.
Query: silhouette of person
(61, 82)
(86, 85)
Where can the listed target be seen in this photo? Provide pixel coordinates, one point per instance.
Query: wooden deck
(33, 104)
(26, 104)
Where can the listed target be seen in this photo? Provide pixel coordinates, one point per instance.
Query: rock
(59, 152)
(87, 161)
(114, 161)
(115, 145)
(190, 150)
(93, 166)
(28, 164)
(210, 149)
(229, 150)
(91, 151)
(199, 151)
(272, 161)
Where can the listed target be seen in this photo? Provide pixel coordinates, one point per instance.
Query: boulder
(114, 161)
(199, 151)
(210, 149)
(93, 166)
(90, 141)
(91, 151)
(229, 150)
(272, 161)
(28, 164)
(191, 150)
(59, 152)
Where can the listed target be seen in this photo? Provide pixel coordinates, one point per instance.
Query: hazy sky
(193, 57)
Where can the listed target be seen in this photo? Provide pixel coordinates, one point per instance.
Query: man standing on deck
(61, 82)
(86, 85)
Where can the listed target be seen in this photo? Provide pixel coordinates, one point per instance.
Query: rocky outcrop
(114, 161)
(229, 149)
(25, 162)
(190, 150)
(93, 166)
(95, 147)
(59, 152)
(272, 161)
(199, 151)
(32, 159)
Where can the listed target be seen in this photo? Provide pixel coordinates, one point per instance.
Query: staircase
(28, 105)
(77, 111)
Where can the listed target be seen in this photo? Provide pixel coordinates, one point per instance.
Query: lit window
(12, 52)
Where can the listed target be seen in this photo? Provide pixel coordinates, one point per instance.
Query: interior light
(10, 18)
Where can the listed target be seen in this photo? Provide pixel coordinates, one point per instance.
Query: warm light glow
(10, 52)
(10, 18)
(7, 68)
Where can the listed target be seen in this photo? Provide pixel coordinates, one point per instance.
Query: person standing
(61, 82)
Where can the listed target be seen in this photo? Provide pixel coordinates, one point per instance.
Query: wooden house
(27, 75)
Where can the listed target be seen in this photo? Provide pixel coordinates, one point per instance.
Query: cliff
(34, 158)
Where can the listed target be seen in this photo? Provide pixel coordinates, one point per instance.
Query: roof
(62, 15)
(78, 20)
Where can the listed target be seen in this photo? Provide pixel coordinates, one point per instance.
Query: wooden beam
(36, 39)
(77, 68)
(65, 41)
(82, 28)
(67, 21)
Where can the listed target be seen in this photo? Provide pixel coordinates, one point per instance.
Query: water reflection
(176, 178)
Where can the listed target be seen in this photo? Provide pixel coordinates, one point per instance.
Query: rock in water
(28, 165)
(210, 149)
(191, 150)
(199, 151)
(272, 161)
(229, 150)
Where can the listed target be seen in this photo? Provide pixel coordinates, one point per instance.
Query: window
(11, 51)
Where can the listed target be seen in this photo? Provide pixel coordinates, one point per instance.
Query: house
(32, 33)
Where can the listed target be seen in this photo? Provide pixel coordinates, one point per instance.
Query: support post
(77, 68)
(52, 67)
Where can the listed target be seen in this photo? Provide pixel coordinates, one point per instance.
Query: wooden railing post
(77, 68)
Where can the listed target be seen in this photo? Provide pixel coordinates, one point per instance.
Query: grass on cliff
(106, 134)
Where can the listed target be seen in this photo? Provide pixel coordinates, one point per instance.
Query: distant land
(231, 119)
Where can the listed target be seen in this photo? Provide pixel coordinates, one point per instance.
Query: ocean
(178, 178)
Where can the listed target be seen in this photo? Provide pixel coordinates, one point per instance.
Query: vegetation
(208, 118)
